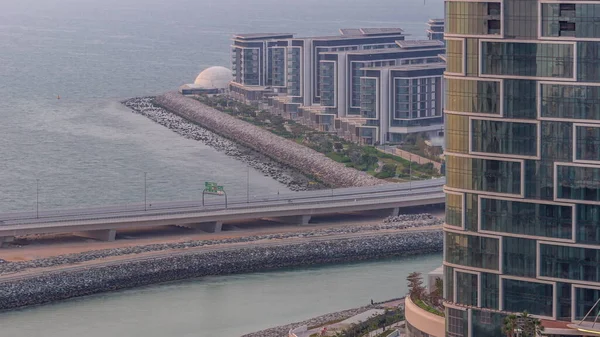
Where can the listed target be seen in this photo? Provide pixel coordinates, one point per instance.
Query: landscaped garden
(364, 158)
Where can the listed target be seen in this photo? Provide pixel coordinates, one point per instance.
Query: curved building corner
(522, 115)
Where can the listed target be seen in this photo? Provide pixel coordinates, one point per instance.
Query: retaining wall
(304, 159)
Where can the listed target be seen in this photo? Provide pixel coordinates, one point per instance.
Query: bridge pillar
(395, 211)
(6, 239)
(101, 235)
(211, 227)
(294, 219)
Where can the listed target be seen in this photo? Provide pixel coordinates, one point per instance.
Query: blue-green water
(88, 150)
(226, 306)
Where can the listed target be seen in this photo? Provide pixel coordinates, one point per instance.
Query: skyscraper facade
(522, 115)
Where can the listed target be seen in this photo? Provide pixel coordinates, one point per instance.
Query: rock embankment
(286, 175)
(304, 159)
(389, 224)
(282, 331)
(65, 284)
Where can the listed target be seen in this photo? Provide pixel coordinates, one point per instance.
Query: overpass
(102, 223)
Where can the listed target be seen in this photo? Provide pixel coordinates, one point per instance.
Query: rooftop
(358, 33)
(404, 46)
(258, 36)
(407, 67)
(414, 44)
(381, 31)
(370, 31)
(350, 31)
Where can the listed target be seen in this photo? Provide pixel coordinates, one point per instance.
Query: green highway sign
(213, 188)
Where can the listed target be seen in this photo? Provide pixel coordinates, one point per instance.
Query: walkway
(409, 156)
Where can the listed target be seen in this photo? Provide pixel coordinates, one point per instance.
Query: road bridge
(102, 223)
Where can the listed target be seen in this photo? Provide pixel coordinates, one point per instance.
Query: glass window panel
(500, 137)
(457, 133)
(483, 174)
(454, 55)
(535, 298)
(464, 95)
(572, 263)
(454, 210)
(578, 183)
(490, 284)
(472, 251)
(588, 224)
(588, 143)
(472, 18)
(467, 290)
(570, 101)
(584, 302)
(527, 59)
(504, 216)
(520, 99)
(519, 257)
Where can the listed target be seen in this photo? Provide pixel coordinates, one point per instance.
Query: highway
(102, 223)
(213, 202)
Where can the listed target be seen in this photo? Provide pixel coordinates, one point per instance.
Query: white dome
(214, 78)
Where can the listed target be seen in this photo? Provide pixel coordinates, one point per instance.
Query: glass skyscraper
(522, 122)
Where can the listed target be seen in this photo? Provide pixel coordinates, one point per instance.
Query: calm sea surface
(86, 149)
(226, 306)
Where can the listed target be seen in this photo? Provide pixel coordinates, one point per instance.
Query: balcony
(423, 320)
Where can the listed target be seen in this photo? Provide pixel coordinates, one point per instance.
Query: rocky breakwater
(283, 330)
(58, 285)
(304, 159)
(292, 178)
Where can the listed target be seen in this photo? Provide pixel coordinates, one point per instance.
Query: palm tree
(510, 325)
(522, 325)
(532, 327)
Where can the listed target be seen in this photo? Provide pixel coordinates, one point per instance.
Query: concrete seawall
(61, 285)
(304, 159)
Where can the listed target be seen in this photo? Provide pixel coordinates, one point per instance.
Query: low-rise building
(322, 81)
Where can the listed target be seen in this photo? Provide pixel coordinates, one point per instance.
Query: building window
(588, 143)
(457, 324)
(468, 291)
(526, 218)
(588, 224)
(498, 137)
(578, 183)
(483, 174)
(570, 263)
(584, 302)
(454, 210)
(464, 95)
(519, 257)
(527, 59)
(472, 251)
(570, 101)
(469, 18)
(535, 298)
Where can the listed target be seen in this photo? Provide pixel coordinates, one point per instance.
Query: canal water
(225, 306)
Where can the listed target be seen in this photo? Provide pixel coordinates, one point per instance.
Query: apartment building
(522, 117)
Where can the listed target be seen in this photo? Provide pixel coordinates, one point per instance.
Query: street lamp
(248, 184)
(410, 172)
(145, 191)
(37, 198)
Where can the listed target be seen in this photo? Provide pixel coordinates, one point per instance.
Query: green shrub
(427, 307)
